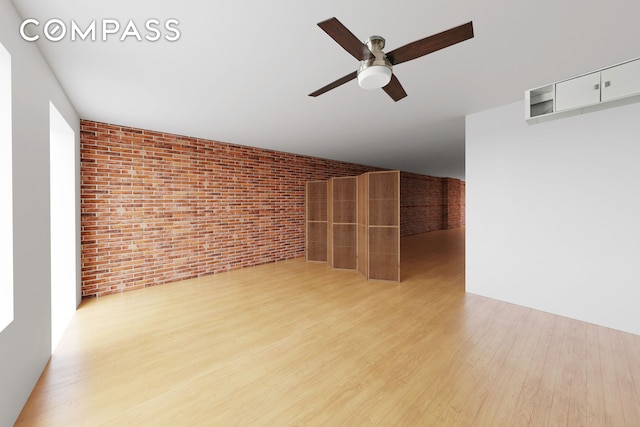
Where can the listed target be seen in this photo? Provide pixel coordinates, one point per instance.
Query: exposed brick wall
(455, 203)
(463, 203)
(157, 207)
(429, 203)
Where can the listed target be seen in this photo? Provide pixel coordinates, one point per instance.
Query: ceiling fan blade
(346, 39)
(431, 44)
(394, 89)
(335, 84)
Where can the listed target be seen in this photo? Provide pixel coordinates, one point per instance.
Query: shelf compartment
(540, 101)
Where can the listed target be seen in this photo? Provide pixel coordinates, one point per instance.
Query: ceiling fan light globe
(374, 77)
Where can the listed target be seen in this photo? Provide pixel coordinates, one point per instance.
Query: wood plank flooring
(296, 343)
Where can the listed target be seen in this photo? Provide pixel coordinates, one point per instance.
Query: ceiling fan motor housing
(375, 73)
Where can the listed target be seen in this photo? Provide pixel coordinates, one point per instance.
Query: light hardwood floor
(295, 343)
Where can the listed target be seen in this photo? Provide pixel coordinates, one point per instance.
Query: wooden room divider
(362, 225)
(383, 225)
(343, 232)
(316, 226)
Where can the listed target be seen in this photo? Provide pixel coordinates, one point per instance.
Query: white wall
(6, 192)
(63, 194)
(25, 345)
(553, 213)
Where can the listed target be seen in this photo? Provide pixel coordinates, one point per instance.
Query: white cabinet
(578, 92)
(623, 80)
(605, 88)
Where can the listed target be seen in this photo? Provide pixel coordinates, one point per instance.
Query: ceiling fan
(375, 69)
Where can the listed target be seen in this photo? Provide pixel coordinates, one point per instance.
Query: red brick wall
(455, 203)
(429, 203)
(157, 207)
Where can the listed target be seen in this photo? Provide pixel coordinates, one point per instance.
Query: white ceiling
(241, 70)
